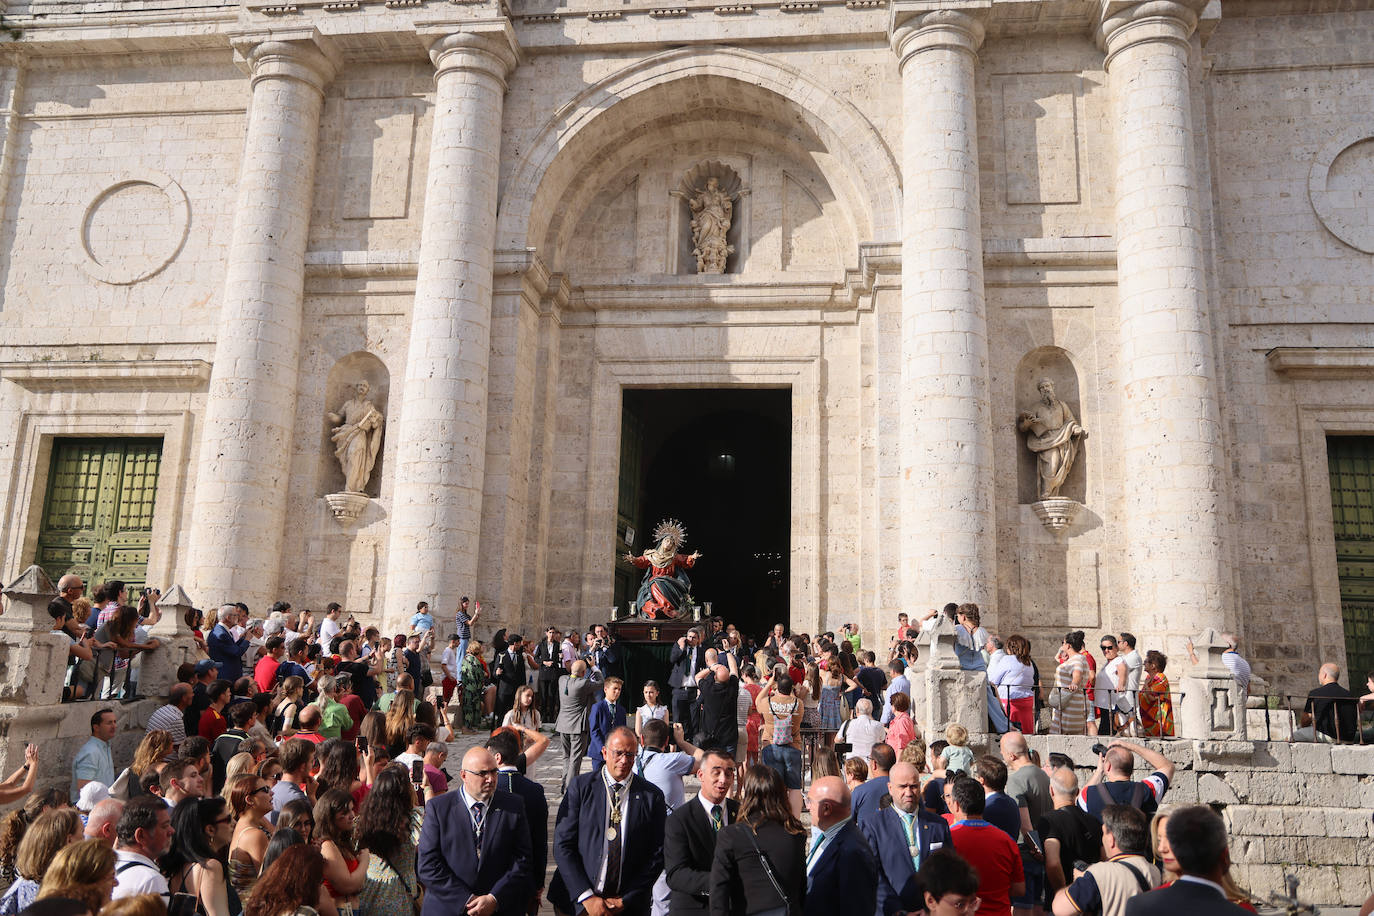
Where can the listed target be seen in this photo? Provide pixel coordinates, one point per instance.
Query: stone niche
(1054, 364)
(347, 372)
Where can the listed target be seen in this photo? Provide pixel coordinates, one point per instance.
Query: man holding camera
(1112, 783)
(688, 657)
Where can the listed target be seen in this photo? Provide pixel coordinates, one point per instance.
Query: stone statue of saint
(357, 437)
(712, 210)
(1054, 436)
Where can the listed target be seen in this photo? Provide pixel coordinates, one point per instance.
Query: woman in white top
(1110, 682)
(525, 712)
(1011, 673)
(650, 710)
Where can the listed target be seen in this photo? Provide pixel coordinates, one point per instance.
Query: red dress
(663, 597)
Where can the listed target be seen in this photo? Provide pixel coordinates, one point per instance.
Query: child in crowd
(606, 716)
(651, 708)
(958, 757)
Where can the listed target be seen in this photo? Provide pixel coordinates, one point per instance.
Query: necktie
(613, 845)
(717, 818)
(477, 828)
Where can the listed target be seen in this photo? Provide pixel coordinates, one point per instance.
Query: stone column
(239, 519)
(441, 455)
(948, 547)
(1173, 496)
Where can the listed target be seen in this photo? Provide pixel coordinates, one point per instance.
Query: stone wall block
(1328, 790)
(1352, 759)
(1213, 789)
(1312, 758)
(1270, 788)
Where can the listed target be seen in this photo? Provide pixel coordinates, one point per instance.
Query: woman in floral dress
(1156, 708)
(474, 674)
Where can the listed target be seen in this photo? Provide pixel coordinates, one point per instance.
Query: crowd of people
(301, 767)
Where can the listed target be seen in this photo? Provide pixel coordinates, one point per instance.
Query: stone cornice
(108, 374)
(1322, 362)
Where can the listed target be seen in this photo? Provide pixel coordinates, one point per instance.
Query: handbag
(1055, 699)
(768, 870)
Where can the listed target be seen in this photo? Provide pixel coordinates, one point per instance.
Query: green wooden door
(1351, 461)
(98, 514)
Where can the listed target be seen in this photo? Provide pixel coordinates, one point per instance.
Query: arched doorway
(719, 460)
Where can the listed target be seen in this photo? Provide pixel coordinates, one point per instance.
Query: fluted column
(948, 547)
(238, 519)
(1171, 432)
(441, 454)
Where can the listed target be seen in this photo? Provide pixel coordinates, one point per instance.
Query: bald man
(841, 870)
(1331, 711)
(903, 836)
(101, 822)
(475, 854)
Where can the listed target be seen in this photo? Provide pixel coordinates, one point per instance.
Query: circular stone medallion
(134, 228)
(1341, 187)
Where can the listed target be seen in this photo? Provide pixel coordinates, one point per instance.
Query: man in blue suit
(474, 855)
(903, 835)
(870, 794)
(224, 650)
(841, 870)
(608, 839)
(606, 715)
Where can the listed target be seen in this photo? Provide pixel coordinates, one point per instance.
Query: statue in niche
(357, 437)
(712, 209)
(1054, 436)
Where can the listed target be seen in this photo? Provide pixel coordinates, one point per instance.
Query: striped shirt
(1239, 668)
(463, 625)
(168, 719)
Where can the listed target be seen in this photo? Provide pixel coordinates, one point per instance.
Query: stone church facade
(219, 216)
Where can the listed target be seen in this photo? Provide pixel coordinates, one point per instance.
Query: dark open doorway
(720, 461)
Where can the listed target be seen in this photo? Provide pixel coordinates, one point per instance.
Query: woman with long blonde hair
(525, 712)
(85, 864)
(155, 745)
(1168, 865)
(399, 718)
(51, 831)
(286, 705)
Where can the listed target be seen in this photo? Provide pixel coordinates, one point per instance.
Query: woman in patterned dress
(1069, 712)
(389, 829)
(474, 674)
(833, 683)
(1156, 708)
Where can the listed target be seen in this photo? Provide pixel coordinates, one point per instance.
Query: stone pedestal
(346, 506)
(1173, 503)
(33, 658)
(441, 453)
(947, 541)
(159, 668)
(1057, 513)
(239, 516)
(1213, 704)
(949, 693)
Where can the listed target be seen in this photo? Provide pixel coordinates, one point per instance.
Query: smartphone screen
(362, 743)
(417, 772)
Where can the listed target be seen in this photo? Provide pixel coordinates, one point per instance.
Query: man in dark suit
(869, 795)
(841, 870)
(688, 657)
(474, 855)
(548, 657)
(608, 839)
(903, 835)
(689, 845)
(505, 747)
(508, 671)
(1197, 837)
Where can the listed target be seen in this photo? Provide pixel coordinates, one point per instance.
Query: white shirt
(863, 733)
(449, 659)
(328, 630)
(1134, 666)
(141, 878)
(1104, 687)
(406, 759)
(1239, 668)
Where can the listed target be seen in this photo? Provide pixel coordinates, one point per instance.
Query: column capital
(299, 54)
(483, 45)
(918, 25)
(1125, 24)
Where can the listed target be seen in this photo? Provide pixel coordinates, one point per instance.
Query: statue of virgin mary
(665, 584)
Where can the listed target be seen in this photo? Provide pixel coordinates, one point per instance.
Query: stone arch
(565, 144)
(346, 372)
(1056, 364)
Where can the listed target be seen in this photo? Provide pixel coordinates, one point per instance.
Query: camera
(842, 749)
(1099, 749)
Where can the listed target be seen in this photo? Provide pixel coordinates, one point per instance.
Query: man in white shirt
(418, 737)
(330, 626)
(1135, 665)
(861, 731)
(452, 664)
(898, 684)
(144, 834)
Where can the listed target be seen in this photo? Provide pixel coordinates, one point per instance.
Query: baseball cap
(205, 666)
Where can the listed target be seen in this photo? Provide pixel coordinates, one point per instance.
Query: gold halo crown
(673, 529)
